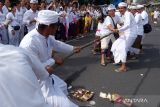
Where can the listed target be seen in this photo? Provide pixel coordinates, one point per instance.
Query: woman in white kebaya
(13, 27)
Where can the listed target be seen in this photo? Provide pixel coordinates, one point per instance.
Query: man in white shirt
(144, 15)
(145, 18)
(41, 44)
(140, 30)
(109, 25)
(30, 15)
(129, 29)
(19, 76)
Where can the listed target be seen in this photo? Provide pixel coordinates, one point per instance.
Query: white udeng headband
(47, 17)
(122, 4)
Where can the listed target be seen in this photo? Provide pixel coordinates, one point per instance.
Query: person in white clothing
(13, 27)
(135, 49)
(21, 9)
(140, 30)
(156, 15)
(99, 32)
(3, 30)
(30, 15)
(130, 33)
(145, 18)
(109, 25)
(144, 15)
(19, 76)
(41, 43)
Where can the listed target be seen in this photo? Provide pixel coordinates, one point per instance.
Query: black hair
(101, 18)
(54, 24)
(18, 2)
(42, 26)
(102, 15)
(43, 2)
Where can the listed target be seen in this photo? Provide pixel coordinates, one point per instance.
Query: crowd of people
(32, 30)
(19, 19)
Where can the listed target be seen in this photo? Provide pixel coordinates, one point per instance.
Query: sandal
(103, 64)
(120, 70)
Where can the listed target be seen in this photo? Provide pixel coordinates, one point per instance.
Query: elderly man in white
(30, 15)
(40, 42)
(19, 74)
(130, 34)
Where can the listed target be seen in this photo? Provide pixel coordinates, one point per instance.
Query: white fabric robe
(19, 85)
(119, 50)
(42, 48)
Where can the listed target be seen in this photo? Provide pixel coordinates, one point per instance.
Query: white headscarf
(111, 7)
(34, 1)
(133, 7)
(140, 6)
(47, 17)
(122, 4)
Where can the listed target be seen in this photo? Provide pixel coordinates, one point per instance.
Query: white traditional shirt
(73, 17)
(5, 10)
(144, 15)
(129, 27)
(29, 15)
(24, 9)
(14, 20)
(139, 22)
(19, 86)
(19, 15)
(109, 21)
(42, 47)
(100, 28)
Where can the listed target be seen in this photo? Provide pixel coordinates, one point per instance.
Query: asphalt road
(140, 84)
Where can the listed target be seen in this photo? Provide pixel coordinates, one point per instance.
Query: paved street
(141, 81)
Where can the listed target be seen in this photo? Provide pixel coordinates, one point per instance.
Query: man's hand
(58, 60)
(49, 69)
(13, 32)
(77, 49)
(116, 30)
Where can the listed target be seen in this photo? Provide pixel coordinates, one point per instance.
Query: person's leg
(104, 47)
(123, 67)
(103, 63)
